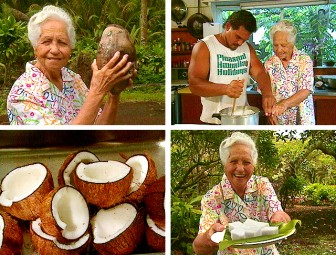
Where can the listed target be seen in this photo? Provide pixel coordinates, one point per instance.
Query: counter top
(182, 87)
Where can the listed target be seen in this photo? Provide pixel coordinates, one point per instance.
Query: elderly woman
(239, 196)
(48, 93)
(292, 78)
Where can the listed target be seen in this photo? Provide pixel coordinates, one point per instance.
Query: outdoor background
(145, 21)
(300, 165)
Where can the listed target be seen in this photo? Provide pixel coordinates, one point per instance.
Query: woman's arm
(203, 245)
(102, 82)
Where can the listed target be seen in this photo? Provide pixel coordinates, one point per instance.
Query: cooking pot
(178, 11)
(243, 115)
(329, 81)
(195, 23)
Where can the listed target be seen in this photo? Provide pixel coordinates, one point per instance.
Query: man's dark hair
(242, 18)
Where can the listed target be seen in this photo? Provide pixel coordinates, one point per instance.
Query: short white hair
(237, 138)
(284, 26)
(50, 12)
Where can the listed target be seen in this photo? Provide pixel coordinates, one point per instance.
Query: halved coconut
(104, 183)
(145, 174)
(24, 189)
(65, 214)
(118, 230)
(11, 237)
(70, 164)
(155, 202)
(46, 244)
(155, 236)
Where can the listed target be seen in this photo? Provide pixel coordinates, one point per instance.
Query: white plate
(248, 245)
(218, 236)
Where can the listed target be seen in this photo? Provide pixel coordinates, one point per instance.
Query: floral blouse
(34, 100)
(288, 81)
(260, 202)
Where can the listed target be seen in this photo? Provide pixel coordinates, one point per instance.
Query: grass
(317, 235)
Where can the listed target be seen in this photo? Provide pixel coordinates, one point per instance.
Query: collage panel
(253, 62)
(82, 62)
(253, 191)
(82, 192)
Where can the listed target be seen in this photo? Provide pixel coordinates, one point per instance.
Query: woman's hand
(203, 244)
(112, 73)
(280, 216)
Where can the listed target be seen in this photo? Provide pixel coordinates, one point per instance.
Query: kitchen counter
(188, 107)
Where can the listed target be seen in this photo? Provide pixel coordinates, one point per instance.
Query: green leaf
(284, 230)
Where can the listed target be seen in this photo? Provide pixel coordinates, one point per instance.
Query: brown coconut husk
(68, 160)
(138, 195)
(12, 236)
(45, 246)
(48, 222)
(154, 202)
(126, 242)
(104, 195)
(29, 207)
(155, 241)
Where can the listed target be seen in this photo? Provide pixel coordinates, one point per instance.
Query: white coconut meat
(109, 223)
(70, 212)
(102, 172)
(21, 183)
(36, 227)
(2, 229)
(81, 156)
(140, 165)
(154, 227)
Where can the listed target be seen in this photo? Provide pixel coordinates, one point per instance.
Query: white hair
(284, 26)
(50, 12)
(237, 138)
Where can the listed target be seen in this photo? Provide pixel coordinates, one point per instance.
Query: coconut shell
(115, 38)
(48, 222)
(154, 202)
(104, 195)
(12, 236)
(155, 241)
(126, 242)
(46, 246)
(29, 207)
(138, 195)
(74, 158)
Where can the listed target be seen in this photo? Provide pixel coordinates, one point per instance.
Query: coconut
(155, 202)
(115, 38)
(24, 189)
(70, 163)
(104, 183)
(46, 244)
(145, 174)
(118, 230)
(11, 237)
(155, 236)
(65, 214)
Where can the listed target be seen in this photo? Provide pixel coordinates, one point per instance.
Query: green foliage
(185, 219)
(319, 194)
(13, 46)
(151, 61)
(292, 187)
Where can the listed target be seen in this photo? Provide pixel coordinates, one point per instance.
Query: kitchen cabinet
(191, 107)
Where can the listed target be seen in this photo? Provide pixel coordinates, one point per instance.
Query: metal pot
(195, 23)
(179, 11)
(329, 81)
(245, 118)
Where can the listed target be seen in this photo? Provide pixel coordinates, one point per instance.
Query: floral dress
(287, 81)
(225, 206)
(34, 100)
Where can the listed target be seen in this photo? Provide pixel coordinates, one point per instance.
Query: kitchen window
(316, 24)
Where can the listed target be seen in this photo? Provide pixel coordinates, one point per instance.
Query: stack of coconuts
(110, 207)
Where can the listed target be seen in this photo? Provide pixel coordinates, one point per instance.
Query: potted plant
(329, 52)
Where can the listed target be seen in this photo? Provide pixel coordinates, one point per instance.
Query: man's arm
(198, 74)
(260, 75)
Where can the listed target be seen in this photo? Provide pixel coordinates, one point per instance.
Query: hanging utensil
(195, 23)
